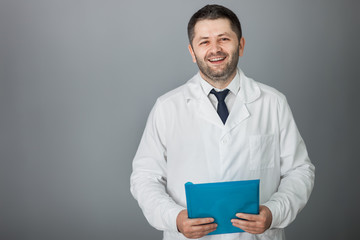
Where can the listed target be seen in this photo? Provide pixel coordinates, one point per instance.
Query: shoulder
(173, 95)
(272, 97)
(181, 93)
(268, 91)
(254, 91)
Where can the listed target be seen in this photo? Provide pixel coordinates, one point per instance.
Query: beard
(219, 75)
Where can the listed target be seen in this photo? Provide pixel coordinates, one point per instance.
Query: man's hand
(194, 228)
(254, 224)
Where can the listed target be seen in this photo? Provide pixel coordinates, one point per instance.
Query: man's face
(216, 49)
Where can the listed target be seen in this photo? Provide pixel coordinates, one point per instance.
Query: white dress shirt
(234, 87)
(185, 141)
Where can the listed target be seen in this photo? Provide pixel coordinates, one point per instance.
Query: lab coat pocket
(262, 152)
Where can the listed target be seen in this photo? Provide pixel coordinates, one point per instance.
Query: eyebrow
(224, 34)
(220, 35)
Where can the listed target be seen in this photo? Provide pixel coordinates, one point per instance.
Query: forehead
(209, 27)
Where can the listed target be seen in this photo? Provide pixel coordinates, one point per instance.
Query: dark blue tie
(221, 108)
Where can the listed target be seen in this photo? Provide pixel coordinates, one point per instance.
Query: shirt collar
(249, 90)
(234, 85)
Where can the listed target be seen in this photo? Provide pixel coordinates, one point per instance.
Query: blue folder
(221, 201)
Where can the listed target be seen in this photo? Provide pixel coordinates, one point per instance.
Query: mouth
(216, 60)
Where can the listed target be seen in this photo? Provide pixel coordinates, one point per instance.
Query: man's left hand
(254, 224)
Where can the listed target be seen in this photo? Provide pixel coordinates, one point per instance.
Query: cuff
(172, 216)
(275, 213)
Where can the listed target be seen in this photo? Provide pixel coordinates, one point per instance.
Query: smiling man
(216, 49)
(221, 126)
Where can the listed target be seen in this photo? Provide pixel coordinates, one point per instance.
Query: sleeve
(148, 179)
(297, 172)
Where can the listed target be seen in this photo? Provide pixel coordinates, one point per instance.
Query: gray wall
(78, 79)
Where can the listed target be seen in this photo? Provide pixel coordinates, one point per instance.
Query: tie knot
(220, 95)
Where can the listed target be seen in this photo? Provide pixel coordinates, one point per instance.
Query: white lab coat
(185, 140)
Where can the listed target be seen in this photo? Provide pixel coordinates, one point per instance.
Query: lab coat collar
(249, 89)
(249, 92)
(233, 86)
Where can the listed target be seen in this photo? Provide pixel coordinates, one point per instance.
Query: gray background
(78, 79)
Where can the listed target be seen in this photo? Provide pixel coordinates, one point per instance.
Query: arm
(297, 172)
(296, 183)
(148, 183)
(148, 179)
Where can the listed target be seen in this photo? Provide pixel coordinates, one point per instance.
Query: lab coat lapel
(249, 92)
(238, 114)
(201, 104)
(208, 112)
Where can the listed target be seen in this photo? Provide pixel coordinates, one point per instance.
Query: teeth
(216, 59)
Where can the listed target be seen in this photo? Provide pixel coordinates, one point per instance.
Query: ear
(192, 53)
(241, 46)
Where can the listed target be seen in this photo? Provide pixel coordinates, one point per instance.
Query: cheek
(234, 52)
(200, 54)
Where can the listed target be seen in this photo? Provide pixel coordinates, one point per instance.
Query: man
(221, 126)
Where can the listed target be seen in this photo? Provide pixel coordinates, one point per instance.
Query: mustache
(217, 54)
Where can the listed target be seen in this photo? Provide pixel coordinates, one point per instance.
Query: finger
(207, 232)
(201, 221)
(249, 226)
(204, 228)
(210, 228)
(244, 223)
(249, 229)
(200, 230)
(249, 217)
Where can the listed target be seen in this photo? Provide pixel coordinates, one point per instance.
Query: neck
(219, 83)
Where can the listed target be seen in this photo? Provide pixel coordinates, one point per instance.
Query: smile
(219, 59)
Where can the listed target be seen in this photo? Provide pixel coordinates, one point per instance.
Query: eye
(203, 42)
(225, 39)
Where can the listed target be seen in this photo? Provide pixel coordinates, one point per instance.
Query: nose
(215, 47)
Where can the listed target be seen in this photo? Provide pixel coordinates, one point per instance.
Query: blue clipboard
(221, 201)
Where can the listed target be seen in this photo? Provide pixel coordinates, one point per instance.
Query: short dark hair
(213, 12)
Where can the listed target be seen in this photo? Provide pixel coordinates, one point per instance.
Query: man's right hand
(196, 227)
